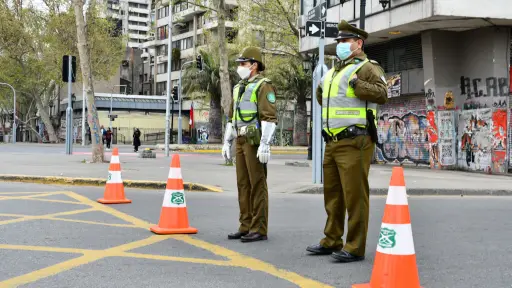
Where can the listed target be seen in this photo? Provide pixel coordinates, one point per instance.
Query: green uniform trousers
(346, 167)
(252, 188)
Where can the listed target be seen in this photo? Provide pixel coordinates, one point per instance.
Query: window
(398, 55)
(332, 3)
(161, 88)
(184, 44)
(176, 65)
(163, 32)
(180, 7)
(163, 12)
(162, 68)
(161, 50)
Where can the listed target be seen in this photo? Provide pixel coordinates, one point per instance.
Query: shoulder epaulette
(374, 62)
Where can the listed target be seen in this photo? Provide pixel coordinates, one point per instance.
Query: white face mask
(243, 72)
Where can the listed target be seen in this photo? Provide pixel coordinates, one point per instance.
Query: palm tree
(207, 82)
(296, 85)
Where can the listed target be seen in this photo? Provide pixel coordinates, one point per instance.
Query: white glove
(229, 135)
(267, 131)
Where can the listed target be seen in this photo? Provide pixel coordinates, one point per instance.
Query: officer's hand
(263, 153)
(226, 151)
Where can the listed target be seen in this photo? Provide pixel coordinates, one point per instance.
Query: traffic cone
(174, 216)
(395, 260)
(114, 189)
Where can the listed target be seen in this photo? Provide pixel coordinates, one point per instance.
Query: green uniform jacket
(370, 86)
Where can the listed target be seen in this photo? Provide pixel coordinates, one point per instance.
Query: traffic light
(199, 62)
(65, 70)
(175, 93)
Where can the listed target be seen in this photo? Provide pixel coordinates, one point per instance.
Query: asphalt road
(460, 242)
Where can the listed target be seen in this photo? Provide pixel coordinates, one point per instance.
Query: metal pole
(110, 113)
(69, 112)
(83, 115)
(13, 113)
(180, 132)
(362, 15)
(317, 114)
(169, 69)
(172, 121)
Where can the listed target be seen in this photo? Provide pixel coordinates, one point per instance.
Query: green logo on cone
(109, 176)
(387, 238)
(177, 198)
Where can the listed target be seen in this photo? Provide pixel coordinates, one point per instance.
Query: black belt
(349, 132)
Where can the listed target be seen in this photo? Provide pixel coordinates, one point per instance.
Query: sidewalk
(210, 170)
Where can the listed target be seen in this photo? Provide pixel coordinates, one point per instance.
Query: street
(76, 242)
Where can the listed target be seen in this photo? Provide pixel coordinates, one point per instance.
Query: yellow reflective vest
(245, 108)
(341, 108)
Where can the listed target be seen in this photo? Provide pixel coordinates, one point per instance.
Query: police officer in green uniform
(252, 122)
(349, 94)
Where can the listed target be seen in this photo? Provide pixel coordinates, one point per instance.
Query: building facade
(133, 17)
(448, 65)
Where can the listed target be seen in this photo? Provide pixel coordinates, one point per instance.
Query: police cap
(346, 31)
(251, 53)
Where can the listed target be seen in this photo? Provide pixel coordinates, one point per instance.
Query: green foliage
(207, 82)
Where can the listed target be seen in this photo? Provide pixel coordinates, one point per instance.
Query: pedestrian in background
(252, 121)
(136, 139)
(108, 138)
(349, 94)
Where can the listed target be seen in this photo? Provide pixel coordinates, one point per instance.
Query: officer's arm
(267, 103)
(371, 85)
(319, 91)
(230, 112)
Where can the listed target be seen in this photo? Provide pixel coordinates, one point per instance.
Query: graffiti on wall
(478, 92)
(475, 139)
(499, 140)
(402, 139)
(446, 142)
(202, 134)
(430, 98)
(432, 137)
(287, 138)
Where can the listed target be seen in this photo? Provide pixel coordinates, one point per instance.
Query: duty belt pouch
(253, 135)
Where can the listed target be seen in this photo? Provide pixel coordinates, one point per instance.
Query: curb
(142, 184)
(274, 152)
(419, 192)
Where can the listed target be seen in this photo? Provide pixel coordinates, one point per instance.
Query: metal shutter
(397, 55)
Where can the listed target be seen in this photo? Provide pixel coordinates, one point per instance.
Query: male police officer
(349, 95)
(252, 121)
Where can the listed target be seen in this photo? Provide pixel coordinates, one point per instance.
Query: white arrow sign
(313, 29)
(323, 11)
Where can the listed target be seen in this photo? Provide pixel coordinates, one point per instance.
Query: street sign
(313, 28)
(331, 29)
(319, 12)
(323, 11)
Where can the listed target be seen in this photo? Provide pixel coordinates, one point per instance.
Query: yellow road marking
(29, 196)
(16, 193)
(92, 222)
(38, 217)
(128, 218)
(235, 259)
(240, 260)
(44, 249)
(176, 259)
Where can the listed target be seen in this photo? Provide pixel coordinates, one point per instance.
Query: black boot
(320, 250)
(253, 236)
(237, 235)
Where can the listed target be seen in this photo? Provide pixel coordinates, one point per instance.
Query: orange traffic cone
(114, 189)
(174, 216)
(395, 260)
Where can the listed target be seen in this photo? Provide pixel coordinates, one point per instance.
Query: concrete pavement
(208, 169)
(459, 242)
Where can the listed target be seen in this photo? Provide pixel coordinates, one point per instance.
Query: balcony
(161, 58)
(139, 28)
(137, 36)
(138, 19)
(139, 10)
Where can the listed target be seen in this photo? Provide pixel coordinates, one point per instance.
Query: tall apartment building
(133, 17)
(189, 23)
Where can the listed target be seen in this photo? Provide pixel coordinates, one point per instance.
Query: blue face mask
(343, 50)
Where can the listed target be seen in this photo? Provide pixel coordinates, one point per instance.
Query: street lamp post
(180, 132)
(169, 69)
(13, 114)
(110, 113)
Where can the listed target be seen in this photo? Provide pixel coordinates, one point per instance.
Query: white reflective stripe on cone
(114, 177)
(397, 195)
(174, 198)
(114, 159)
(396, 239)
(175, 173)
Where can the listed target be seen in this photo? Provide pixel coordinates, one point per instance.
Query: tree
(277, 21)
(33, 42)
(209, 82)
(218, 7)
